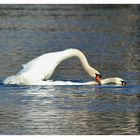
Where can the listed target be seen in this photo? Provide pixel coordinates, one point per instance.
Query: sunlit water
(109, 36)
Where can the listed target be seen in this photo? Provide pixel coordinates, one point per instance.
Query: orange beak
(98, 78)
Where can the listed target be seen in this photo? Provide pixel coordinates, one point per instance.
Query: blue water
(108, 36)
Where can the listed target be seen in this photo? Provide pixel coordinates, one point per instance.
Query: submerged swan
(42, 67)
(115, 80)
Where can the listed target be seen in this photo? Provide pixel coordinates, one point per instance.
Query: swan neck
(83, 60)
(108, 80)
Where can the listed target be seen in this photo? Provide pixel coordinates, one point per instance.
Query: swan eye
(123, 83)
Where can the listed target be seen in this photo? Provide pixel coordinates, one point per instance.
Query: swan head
(115, 80)
(95, 74)
(124, 83)
(119, 81)
(98, 78)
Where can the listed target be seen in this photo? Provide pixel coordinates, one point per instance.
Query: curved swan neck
(107, 80)
(76, 53)
(114, 80)
(82, 59)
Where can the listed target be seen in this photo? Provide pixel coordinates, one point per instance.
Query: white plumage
(42, 67)
(114, 80)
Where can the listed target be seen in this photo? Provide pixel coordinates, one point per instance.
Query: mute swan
(42, 67)
(115, 80)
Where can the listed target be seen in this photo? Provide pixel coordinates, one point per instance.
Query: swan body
(42, 67)
(115, 80)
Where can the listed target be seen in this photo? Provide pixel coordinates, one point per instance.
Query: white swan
(115, 80)
(42, 67)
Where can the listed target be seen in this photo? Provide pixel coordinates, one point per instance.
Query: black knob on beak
(124, 83)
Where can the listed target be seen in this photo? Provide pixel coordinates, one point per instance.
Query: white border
(60, 137)
(70, 137)
(70, 2)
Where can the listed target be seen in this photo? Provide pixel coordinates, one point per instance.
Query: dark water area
(109, 36)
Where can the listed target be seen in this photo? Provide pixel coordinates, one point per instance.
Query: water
(109, 37)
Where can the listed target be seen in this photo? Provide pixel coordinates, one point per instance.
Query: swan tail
(14, 79)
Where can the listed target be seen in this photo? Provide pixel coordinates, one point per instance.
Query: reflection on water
(69, 110)
(109, 37)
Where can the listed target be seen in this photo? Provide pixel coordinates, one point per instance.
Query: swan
(114, 80)
(42, 67)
